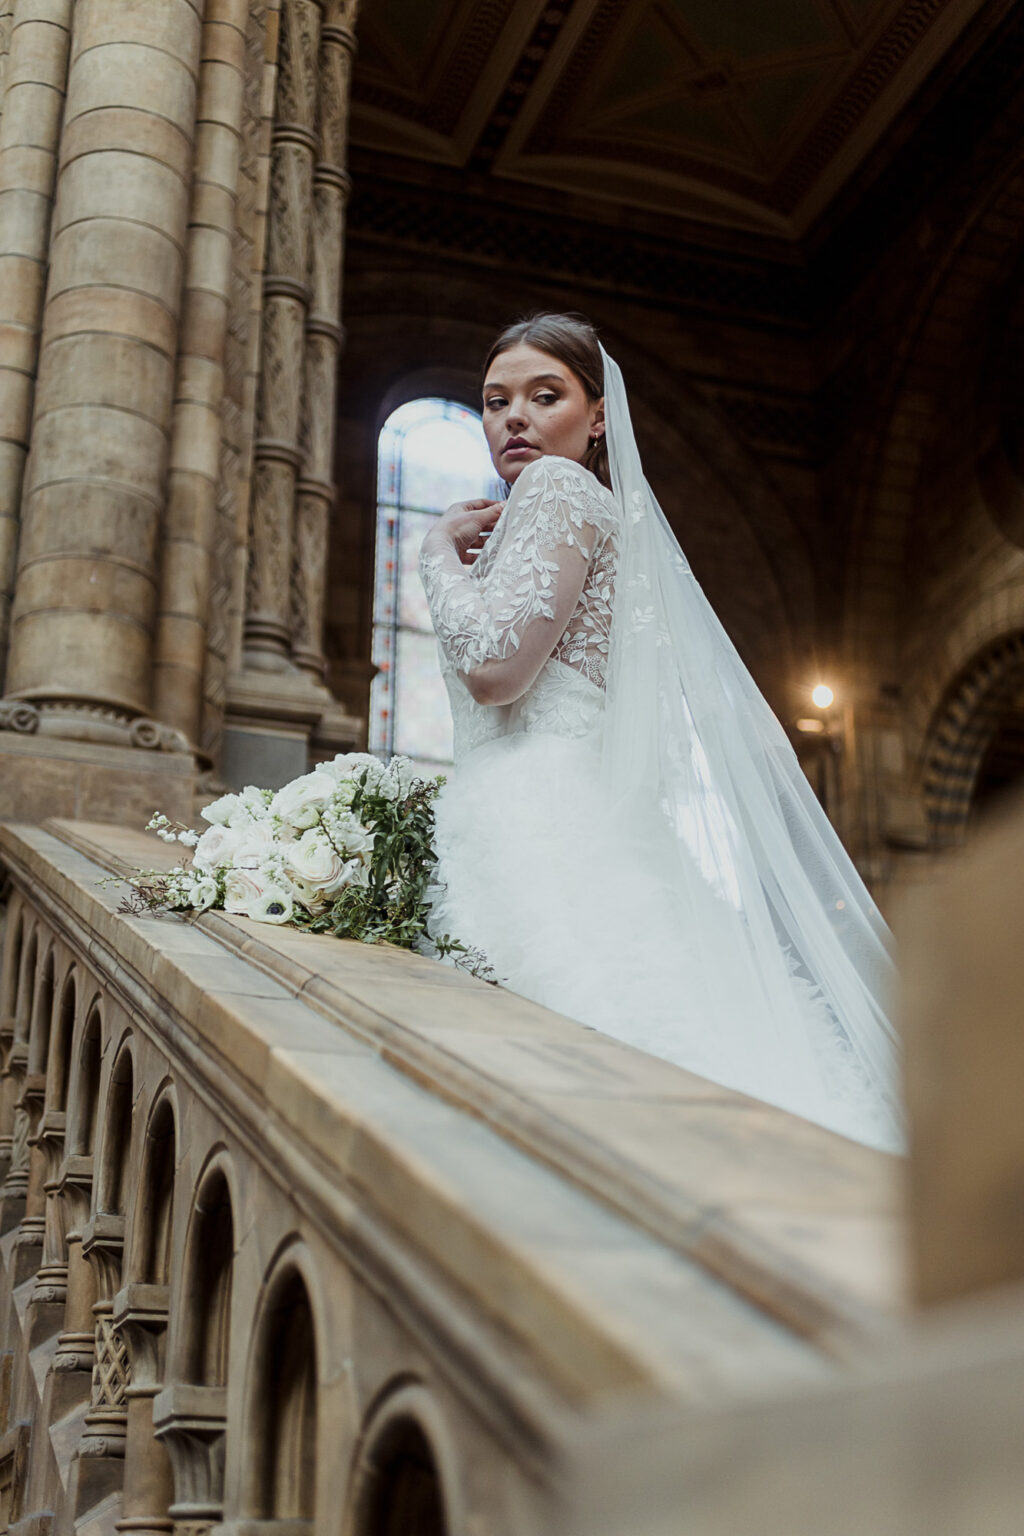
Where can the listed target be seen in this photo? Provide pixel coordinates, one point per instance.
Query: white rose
(243, 888)
(313, 861)
(218, 845)
(274, 906)
(349, 765)
(202, 892)
(300, 802)
(220, 812)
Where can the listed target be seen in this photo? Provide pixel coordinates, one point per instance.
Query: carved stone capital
(191, 1421)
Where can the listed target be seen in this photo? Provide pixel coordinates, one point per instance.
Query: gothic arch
(150, 1252)
(84, 1094)
(963, 727)
(405, 1470)
(206, 1294)
(282, 1394)
(62, 1041)
(42, 1016)
(118, 1117)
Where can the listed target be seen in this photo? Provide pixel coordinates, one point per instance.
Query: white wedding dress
(574, 892)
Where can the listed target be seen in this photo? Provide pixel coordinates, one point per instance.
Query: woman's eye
(548, 399)
(494, 403)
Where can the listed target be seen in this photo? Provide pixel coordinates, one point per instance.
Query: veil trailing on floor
(795, 962)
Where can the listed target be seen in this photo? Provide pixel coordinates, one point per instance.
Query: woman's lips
(517, 450)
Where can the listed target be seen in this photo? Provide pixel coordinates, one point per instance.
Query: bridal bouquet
(346, 849)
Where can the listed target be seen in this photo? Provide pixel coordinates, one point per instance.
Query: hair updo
(573, 341)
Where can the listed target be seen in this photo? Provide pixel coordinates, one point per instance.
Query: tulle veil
(796, 973)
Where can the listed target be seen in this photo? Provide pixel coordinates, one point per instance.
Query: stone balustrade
(302, 1235)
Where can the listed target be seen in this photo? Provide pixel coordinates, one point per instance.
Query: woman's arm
(499, 631)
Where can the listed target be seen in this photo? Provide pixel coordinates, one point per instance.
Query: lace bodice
(540, 594)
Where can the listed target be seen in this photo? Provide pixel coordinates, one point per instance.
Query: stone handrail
(306, 1232)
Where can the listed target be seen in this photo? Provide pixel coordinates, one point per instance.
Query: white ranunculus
(274, 906)
(299, 803)
(242, 888)
(313, 862)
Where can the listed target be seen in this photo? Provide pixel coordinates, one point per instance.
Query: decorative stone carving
(18, 715)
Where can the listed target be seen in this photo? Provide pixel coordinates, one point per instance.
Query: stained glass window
(430, 454)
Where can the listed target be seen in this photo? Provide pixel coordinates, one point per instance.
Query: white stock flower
(300, 802)
(396, 780)
(274, 906)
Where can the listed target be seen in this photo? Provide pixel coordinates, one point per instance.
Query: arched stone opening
(42, 1016)
(282, 1444)
(15, 1187)
(85, 1098)
(209, 1269)
(190, 1414)
(404, 1476)
(26, 989)
(31, 1105)
(154, 1212)
(59, 1065)
(974, 740)
(112, 1184)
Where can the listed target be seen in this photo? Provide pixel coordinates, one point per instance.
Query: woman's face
(534, 405)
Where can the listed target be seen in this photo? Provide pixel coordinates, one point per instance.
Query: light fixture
(823, 696)
(811, 726)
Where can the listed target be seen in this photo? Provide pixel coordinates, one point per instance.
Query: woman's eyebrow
(540, 378)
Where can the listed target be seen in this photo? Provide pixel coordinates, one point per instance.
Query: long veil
(796, 973)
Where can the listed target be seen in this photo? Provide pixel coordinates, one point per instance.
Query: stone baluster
(49, 1294)
(286, 296)
(8, 1000)
(140, 1317)
(32, 1226)
(192, 1422)
(101, 1452)
(323, 337)
(70, 1379)
(199, 389)
(33, 100)
(15, 1186)
(93, 505)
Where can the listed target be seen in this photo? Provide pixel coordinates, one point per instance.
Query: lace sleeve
(501, 620)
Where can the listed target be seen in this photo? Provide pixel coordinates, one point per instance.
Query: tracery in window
(431, 453)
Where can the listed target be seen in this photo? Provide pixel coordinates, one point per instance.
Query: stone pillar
(140, 1316)
(33, 100)
(286, 296)
(84, 609)
(323, 337)
(199, 389)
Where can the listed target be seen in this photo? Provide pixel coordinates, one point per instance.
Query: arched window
(431, 453)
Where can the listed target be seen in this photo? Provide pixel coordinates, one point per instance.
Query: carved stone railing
(304, 1234)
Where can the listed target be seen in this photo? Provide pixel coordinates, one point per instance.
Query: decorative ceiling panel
(746, 113)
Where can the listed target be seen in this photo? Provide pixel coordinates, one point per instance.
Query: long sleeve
(503, 618)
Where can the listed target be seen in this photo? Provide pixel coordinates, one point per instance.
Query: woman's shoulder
(567, 478)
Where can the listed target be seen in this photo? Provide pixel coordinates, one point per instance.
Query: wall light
(823, 696)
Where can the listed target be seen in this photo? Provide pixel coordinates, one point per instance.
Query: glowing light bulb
(823, 696)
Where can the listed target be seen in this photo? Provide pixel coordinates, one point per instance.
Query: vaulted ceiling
(743, 114)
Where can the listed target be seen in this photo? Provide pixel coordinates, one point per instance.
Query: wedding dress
(631, 841)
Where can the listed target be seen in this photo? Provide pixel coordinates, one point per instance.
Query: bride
(628, 836)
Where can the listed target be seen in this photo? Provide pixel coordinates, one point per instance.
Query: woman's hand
(465, 526)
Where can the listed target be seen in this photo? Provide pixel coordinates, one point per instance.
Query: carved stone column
(31, 1228)
(70, 1380)
(15, 1185)
(33, 100)
(195, 462)
(140, 1317)
(286, 295)
(100, 1459)
(192, 1423)
(323, 336)
(49, 1294)
(84, 608)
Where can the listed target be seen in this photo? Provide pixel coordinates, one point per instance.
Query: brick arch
(962, 730)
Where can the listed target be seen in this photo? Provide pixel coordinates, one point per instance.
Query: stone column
(84, 608)
(140, 1317)
(286, 296)
(35, 73)
(323, 337)
(199, 389)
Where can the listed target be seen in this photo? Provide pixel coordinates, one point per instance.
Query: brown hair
(573, 341)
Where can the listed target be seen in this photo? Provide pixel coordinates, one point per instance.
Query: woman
(628, 836)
